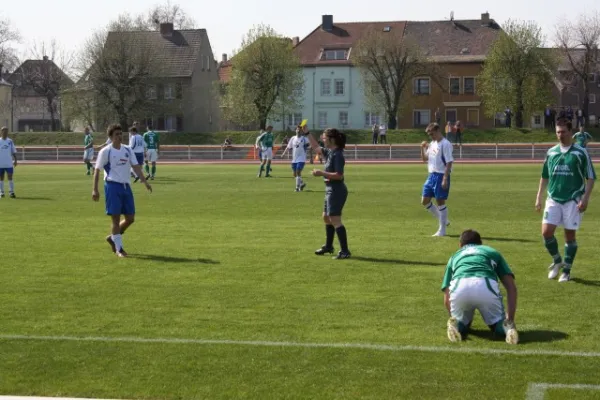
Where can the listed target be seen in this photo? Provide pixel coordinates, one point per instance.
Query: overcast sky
(70, 23)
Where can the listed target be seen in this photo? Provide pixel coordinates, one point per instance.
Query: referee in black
(336, 192)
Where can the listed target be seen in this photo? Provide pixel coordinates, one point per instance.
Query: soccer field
(222, 296)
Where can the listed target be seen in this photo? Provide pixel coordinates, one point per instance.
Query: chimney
(327, 23)
(224, 59)
(295, 41)
(45, 58)
(485, 18)
(166, 29)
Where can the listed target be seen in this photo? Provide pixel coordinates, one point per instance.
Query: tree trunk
(392, 121)
(586, 103)
(263, 123)
(52, 116)
(520, 107)
(123, 122)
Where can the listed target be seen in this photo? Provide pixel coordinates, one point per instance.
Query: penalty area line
(260, 343)
(537, 391)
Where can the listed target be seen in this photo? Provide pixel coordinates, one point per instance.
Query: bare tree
(578, 42)
(388, 65)
(151, 20)
(9, 37)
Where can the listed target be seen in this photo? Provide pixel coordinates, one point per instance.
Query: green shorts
(335, 198)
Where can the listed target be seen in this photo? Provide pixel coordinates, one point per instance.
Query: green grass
(220, 254)
(354, 137)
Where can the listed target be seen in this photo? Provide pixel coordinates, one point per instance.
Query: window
(451, 116)
(179, 127)
(454, 86)
(169, 92)
(322, 119)
(325, 87)
(170, 123)
(339, 87)
(537, 119)
(179, 90)
(469, 85)
(592, 98)
(372, 119)
(343, 120)
(421, 86)
(334, 54)
(421, 117)
(151, 93)
(472, 117)
(294, 119)
(592, 77)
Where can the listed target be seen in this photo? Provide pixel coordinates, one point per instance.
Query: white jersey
(137, 144)
(439, 154)
(116, 163)
(298, 146)
(7, 149)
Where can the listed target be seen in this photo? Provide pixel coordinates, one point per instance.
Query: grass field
(222, 275)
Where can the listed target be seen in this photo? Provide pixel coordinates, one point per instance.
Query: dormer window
(334, 54)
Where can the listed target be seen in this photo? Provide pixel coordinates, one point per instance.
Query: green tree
(518, 72)
(265, 77)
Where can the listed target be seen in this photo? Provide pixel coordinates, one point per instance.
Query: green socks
(147, 169)
(268, 168)
(552, 247)
(570, 252)
(153, 170)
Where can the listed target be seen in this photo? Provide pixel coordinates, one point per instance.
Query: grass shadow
(167, 259)
(499, 239)
(585, 282)
(33, 198)
(526, 336)
(397, 261)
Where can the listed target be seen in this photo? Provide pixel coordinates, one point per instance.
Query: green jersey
(581, 138)
(567, 172)
(266, 140)
(475, 261)
(87, 140)
(151, 140)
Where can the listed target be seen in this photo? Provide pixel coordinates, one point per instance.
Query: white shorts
(88, 154)
(470, 294)
(567, 214)
(267, 154)
(152, 155)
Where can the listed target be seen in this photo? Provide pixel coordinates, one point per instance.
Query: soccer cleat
(1, 195)
(554, 269)
(111, 243)
(512, 336)
(268, 176)
(137, 178)
(453, 333)
(565, 276)
(148, 177)
(297, 190)
(12, 196)
(302, 186)
(342, 255)
(88, 173)
(324, 250)
(447, 223)
(121, 254)
(439, 233)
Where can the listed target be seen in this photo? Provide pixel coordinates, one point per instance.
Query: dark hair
(133, 129)
(112, 128)
(433, 127)
(564, 122)
(470, 236)
(149, 126)
(338, 137)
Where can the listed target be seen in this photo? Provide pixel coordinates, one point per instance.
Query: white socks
(118, 241)
(433, 210)
(1, 186)
(298, 181)
(11, 185)
(443, 210)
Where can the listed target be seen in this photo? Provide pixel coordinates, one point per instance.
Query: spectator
(569, 113)
(548, 117)
(458, 135)
(382, 134)
(580, 118)
(507, 117)
(449, 130)
(227, 143)
(375, 131)
(438, 116)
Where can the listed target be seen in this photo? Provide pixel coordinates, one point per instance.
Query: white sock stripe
(260, 343)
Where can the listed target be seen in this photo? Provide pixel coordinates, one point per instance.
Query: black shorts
(335, 198)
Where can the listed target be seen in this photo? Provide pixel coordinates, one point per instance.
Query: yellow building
(5, 102)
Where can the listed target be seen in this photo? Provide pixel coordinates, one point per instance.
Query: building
(333, 94)
(5, 101)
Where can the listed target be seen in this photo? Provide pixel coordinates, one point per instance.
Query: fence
(394, 152)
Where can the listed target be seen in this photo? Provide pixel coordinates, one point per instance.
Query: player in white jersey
(136, 143)
(298, 144)
(8, 161)
(116, 160)
(438, 155)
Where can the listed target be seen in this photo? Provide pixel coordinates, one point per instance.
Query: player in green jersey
(88, 150)
(152, 144)
(568, 174)
(471, 283)
(582, 138)
(265, 143)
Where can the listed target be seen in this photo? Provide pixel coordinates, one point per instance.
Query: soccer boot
(121, 254)
(137, 178)
(453, 332)
(111, 243)
(565, 276)
(88, 173)
(297, 190)
(12, 195)
(342, 255)
(554, 269)
(512, 336)
(324, 250)
(1, 195)
(302, 186)
(439, 233)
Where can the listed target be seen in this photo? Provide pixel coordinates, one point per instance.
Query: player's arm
(138, 170)
(157, 144)
(449, 161)
(259, 139)
(100, 163)
(542, 186)
(424, 154)
(313, 143)
(14, 154)
(446, 284)
(590, 174)
(511, 295)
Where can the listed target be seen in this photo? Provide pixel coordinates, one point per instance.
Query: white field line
(537, 391)
(43, 398)
(260, 343)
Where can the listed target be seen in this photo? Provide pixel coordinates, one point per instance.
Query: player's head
(581, 128)
(564, 131)
(149, 126)
(270, 128)
(299, 130)
(115, 133)
(4, 132)
(135, 123)
(433, 131)
(470, 236)
(133, 130)
(334, 138)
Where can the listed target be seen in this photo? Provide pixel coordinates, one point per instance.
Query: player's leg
(269, 158)
(335, 207)
(128, 211)
(441, 197)
(295, 175)
(2, 171)
(299, 169)
(146, 166)
(553, 217)
(112, 196)
(11, 183)
(491, 308)
(572, 221)
(461, 309)
(263, 161)
(426, 196)
(329, 232)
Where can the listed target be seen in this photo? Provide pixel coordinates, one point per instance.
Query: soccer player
(569, 175)
(298, 144)
(137, 144)
(153, 147)
(582, 138)
(265, 143)
(438, 156)
(336, 192)
(116, 160)
(471, 283)
(88, 150)
(8, 161)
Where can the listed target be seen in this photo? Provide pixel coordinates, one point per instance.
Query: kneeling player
(471, 283)
(298, 144)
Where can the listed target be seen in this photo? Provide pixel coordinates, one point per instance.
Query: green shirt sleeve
(545, 174)
(502, 267)
(589, 172)
(447, 275)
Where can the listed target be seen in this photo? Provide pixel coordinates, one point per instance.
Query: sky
(226, 21)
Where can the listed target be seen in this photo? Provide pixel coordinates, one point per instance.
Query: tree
(578, 42)
(266, 77)
(517, 72)
(9, 36)
(151, 20)
(388, 64)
